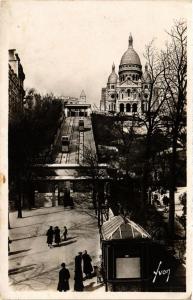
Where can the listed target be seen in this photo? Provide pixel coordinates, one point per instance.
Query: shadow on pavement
(71, 238)
(65, 244)
(24, 238)
(34, 224)
(19, 251)
(21, 269)
(48, 213)
(90, 287)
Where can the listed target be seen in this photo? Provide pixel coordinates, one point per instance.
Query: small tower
(82, 97)
(130, 41)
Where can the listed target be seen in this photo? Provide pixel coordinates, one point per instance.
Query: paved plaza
(32, 265)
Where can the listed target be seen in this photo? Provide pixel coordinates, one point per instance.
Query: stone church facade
(128, 91)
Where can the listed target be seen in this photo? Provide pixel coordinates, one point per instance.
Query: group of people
(160, 198)
(53, 235)
(82, 265)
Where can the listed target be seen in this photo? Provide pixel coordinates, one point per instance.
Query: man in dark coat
(78, 276)
(64, 275)
(57, 235)
(50, 234)
(87, 266)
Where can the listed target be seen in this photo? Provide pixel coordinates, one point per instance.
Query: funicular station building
(78, 107)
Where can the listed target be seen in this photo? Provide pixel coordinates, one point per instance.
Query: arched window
(121, 107)
(122, 95)
(135, 107)
(133, 77)
(128, 107)
(112, 86)
(146, 87)
(112, 96)
(129, 92)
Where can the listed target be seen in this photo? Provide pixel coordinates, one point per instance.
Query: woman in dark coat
(50, 234)
(87, 266)
(78, 276)
(57, 236)
(64, 275)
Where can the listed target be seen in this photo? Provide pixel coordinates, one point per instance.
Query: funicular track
(70, 128)
(76, 143)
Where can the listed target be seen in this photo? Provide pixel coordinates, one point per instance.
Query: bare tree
(174, 61)
(91, 160)
(154, 96)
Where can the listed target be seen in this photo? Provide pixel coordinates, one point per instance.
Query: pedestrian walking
(78, 276)
(87, 266)
(50, 236)
(65, 233)
(64, 275)
(57, 235)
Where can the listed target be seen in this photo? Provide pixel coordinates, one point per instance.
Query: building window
(129, 92)
(135, 107)
(122, 96)
(112, 86)
(128, 107)
(109, 107)
(146, 87)
(121, 107)
(112, 96)
(133, 77)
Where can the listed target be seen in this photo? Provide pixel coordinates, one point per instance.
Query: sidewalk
(34, 266)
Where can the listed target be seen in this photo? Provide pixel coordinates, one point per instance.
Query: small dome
(146, 76)
(130, 56)
(113, 77)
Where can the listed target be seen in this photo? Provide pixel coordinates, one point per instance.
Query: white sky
(67, 46)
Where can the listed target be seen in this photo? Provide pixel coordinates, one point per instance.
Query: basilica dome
(113, 77)
(130, 56)
(130, 66)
